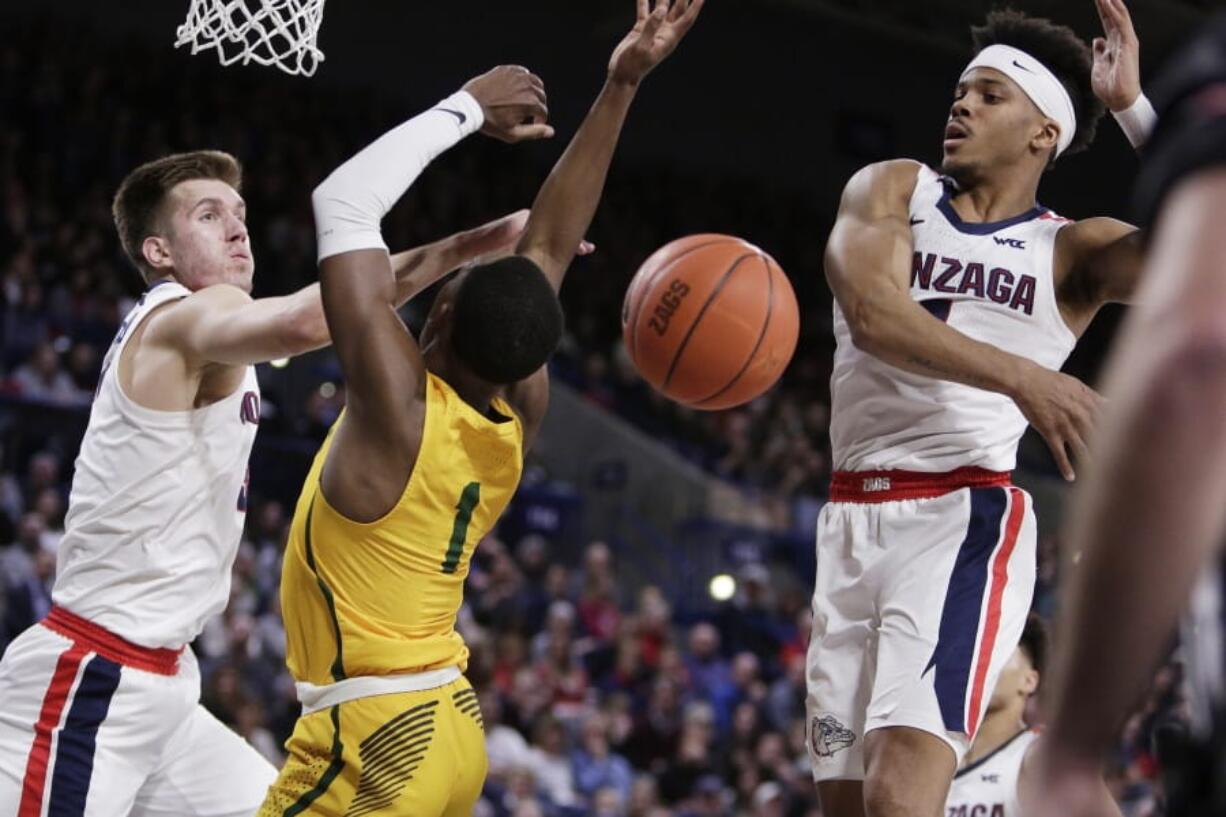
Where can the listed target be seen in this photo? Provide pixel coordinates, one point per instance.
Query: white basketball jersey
(991, 282)
(157, 505)
(988, 787)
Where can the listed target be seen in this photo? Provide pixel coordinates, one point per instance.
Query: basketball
(710, 321)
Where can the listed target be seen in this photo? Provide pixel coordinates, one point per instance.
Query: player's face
(207, 238)
(991, 123)
(1018, 681)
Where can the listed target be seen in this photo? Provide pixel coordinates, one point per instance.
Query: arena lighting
(327, 390)
(722, 587)
(279, 363)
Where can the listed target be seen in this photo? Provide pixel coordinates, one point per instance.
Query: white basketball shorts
(94, 725)
(923, 585)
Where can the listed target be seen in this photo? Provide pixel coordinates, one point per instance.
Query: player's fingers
(1123, 21)
(536, 98)
(678, 8)
(586, 248)
(1080, 450)
(533, 110)
(656, 19)
(528, 132)
(643, 9)
(690, 15)
(1055, 442)
(1108, 16)
(1122, 12)
(1100, 47)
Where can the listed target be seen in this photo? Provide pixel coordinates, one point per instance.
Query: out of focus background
(638, 621)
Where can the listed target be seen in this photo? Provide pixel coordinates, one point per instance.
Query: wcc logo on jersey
(830, 736)
(953, 276)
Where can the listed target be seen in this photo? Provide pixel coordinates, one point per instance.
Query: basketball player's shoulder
(1079, 240)
(1096, 231)
(882, 183)
(176, 315)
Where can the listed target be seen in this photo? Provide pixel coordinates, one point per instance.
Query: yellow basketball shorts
(418, 754)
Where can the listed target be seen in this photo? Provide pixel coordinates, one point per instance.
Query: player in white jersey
(996, 777)
(99, 711)
(958, 297)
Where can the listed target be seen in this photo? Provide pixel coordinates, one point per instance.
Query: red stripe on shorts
(35, 781)
(1000, 578)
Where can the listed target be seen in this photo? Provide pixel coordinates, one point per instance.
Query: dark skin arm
(374, 449)
(566, 203)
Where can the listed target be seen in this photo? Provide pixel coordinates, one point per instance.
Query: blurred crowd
(596, 700)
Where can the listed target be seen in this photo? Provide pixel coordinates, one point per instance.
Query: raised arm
(383, 367)
(567, 201)
(1116, 75)
(1104, 256)
(868, 266)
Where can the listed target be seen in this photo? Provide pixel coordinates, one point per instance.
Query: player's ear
(1030, 682)
(156, 251)
(1047, 138)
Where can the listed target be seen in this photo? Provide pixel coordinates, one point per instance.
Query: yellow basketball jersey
(381, 597)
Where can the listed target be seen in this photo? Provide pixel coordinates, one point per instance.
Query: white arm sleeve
(1137, 121)
(350, 204)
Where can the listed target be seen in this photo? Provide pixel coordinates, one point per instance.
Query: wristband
(1137, 121)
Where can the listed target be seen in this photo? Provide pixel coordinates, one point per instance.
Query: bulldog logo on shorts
(830, 736)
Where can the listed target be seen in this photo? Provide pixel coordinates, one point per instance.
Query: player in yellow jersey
(429, 450)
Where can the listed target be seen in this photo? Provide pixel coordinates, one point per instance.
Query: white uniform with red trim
(100, 709)
(926, 552)
(989, 786)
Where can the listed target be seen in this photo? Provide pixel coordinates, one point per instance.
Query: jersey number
(469, 498)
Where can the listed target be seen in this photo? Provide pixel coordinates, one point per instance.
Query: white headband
(1040, 84)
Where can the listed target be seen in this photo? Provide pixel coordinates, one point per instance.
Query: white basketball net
(268, 32)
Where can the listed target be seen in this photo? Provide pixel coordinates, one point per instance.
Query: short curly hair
(1059, 49)
(508, 320)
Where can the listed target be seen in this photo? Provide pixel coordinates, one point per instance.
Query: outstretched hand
(655, 34)
(1117, 57)
(513, 100)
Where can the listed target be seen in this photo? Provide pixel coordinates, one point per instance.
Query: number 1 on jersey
(469, 498)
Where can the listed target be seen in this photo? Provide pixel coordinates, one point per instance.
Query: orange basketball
(710, 320)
